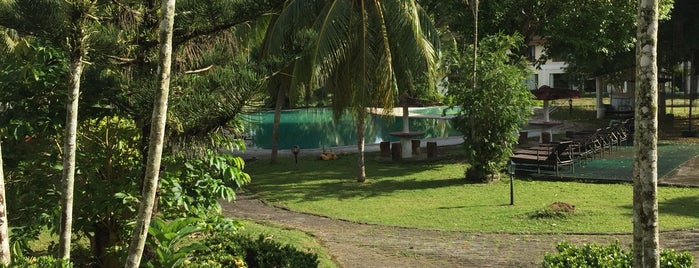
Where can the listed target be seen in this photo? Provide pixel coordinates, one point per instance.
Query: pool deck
(398, 112)
(685, 174)
(256, 153)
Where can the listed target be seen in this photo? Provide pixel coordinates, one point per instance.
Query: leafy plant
(166, 239)
(592, 255)
(492, 112)
(39, 262)
(195, 186)
(234, 250)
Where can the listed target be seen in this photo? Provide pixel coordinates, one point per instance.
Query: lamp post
(570, 106)
(295, 150)
(511, 168)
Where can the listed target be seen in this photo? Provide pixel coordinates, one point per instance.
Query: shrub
(492, 112)
(235, 250)
(592, 255)
(39, 262)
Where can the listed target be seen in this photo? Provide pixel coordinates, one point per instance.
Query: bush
(39, 262)
(612, 255)
(492, 113)
(235, 250)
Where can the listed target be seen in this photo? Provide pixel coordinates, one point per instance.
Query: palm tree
(645, 172)
(367, 53)
(138, 240)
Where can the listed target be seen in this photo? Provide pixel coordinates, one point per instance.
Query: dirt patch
(354, 244)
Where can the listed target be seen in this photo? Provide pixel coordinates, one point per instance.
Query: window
(531, 53)
(533, 81)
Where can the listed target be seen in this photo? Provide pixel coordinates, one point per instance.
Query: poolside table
(406, 141)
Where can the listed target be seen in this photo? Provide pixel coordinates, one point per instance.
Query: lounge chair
(560, 155)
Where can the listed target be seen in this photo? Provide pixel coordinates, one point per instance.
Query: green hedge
(591, 255)
(234, 250)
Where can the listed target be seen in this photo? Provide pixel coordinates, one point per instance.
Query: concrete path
(686, 174)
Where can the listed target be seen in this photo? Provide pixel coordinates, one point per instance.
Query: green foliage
(234, 250)
(492, 113)
(39, 262)
(592, 255)
(166, 238)
(194, 186)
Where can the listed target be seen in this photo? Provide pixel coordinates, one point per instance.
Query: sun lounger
(558, 156)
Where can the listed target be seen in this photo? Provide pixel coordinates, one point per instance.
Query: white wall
(545, 71)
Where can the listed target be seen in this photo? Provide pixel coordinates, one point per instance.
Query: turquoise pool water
(436, 110)
(314, 128)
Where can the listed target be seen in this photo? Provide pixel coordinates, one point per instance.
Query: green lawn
(433, 196)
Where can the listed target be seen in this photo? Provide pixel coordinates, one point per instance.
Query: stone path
(363, 245)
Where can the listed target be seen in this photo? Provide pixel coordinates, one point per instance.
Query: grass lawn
(434, 196)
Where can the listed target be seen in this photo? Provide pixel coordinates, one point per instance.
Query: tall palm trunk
(4, 238)
(646, 247)
(361, 168)
(275, 128)
(69, 148)
(145, 210)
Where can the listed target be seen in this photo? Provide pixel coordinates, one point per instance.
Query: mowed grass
(434, 196)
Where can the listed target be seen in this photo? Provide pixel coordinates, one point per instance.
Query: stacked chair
(576, 147)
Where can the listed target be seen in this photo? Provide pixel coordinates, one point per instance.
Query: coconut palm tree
(366, 53)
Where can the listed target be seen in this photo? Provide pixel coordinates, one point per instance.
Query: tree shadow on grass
(687, 206)
(344, 189)
(681, 206)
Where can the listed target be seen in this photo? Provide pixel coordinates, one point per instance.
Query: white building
(551, 73)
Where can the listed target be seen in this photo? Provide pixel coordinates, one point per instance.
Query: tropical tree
(5, 256)
(145, 210)
(6, 46)
(66, 25)
(366, 53)
(646, 244)
(491, 113)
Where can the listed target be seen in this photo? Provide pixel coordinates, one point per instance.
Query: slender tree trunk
(361, 169)
(275, 128)
(474, 9)
(646, 240)
(69, 148)
(475, 43)
(4, 237)
(155, 149)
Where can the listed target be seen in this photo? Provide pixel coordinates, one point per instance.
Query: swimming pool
(314, 128)
(436, 110)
